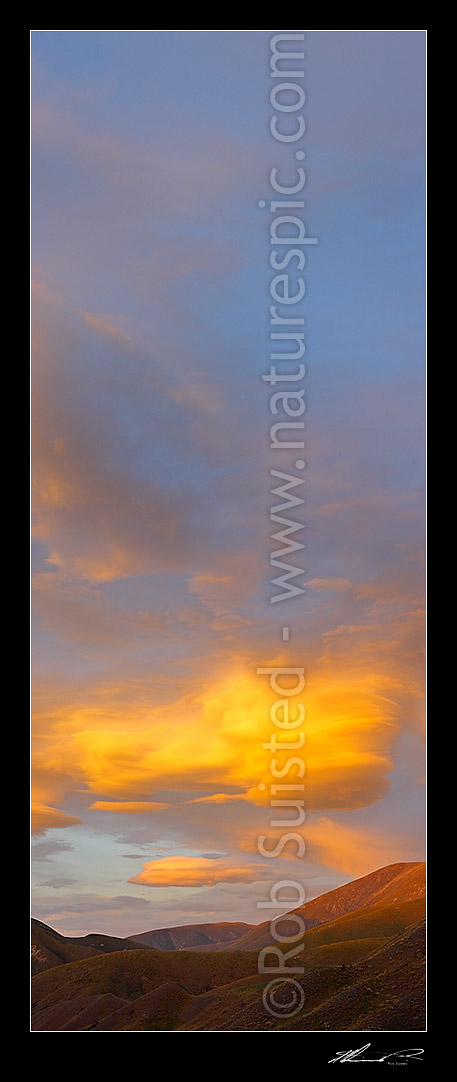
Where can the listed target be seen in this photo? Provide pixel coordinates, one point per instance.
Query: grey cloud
(45, 851)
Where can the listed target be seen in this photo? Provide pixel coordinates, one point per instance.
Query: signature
(354, 1055)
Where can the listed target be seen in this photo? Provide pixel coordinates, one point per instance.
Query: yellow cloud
(118, 747)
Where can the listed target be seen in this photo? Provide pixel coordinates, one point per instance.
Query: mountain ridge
(196, 936)
(374, 972)
(395, 883)
(49, 948)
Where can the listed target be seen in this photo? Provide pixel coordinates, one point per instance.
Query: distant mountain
(50, 949)
(364, 970)
(396, 883)
(192, 935)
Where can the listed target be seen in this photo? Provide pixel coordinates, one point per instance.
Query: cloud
(129, 807)
(330, 585)
(58, 884)
(46, 818)
(122, 749)
(97, 508)
(150, 476)
(107, 325)
(93, 903)
(217, 798)
(45, 851)
(196, 872)
(111, 189)
(133, 856)
(86, 618)
(354, 851)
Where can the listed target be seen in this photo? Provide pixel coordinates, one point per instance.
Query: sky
(151, 490)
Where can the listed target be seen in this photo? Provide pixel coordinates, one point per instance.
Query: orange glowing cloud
(46, 818)
(352, 851)
(218, 798)
(129, 807)
(196, 872)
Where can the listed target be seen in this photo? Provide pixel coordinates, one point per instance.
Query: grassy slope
(161, 990)
(377, 922)
(50, 949)
(384, 991)
(193, 936)
(397, 883)
(130, 975)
